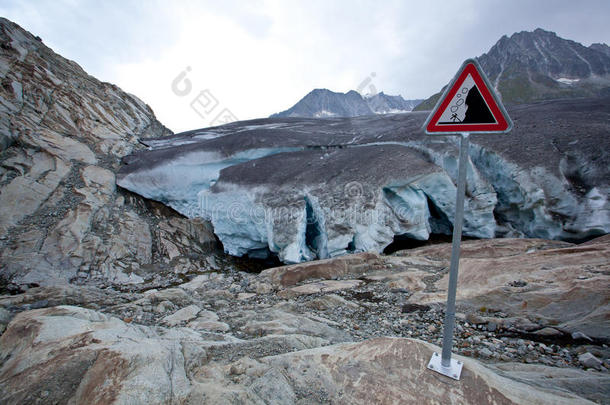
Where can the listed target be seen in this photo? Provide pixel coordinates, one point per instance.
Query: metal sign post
(469, 105)
(445, 365)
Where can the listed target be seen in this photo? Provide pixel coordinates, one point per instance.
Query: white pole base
(453, 371)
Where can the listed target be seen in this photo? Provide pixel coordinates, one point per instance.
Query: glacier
(305, 189)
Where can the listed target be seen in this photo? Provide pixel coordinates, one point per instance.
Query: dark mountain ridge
(321, 103)
(539, 65)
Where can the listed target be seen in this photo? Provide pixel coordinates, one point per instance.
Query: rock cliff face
(304, 189)
(539, 65)
(62, 135)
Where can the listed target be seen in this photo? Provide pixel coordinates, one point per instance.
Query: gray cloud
(260, 57)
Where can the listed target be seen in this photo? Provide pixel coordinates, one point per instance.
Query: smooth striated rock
(352, 265)
(82, 356)
(179, 237)
(182, 315)
(84, 296)
(380, 371)
(319, 287)
(562, 287)
(411, 280)
(76, 355)
(590, 385)
(488, 249)
(29, 190)
(278, 322)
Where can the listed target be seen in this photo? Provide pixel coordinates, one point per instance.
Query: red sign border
(503, 122)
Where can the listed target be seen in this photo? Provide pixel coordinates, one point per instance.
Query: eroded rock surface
(354, 265)
(335, 330)
(380, 371)
(565, 287)
(62, 135)
(70, 354)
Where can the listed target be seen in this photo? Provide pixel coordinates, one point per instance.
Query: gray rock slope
(321, 103)
(62, 135)
(540, 65)
(306, 189)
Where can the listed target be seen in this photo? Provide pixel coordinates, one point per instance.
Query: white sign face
(468, 104)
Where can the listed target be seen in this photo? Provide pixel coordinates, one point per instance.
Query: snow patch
(567, 81)
(392, 111)
(324, 114)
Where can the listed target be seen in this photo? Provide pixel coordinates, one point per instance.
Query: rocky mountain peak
(601, 48)
(383, 103)
(320, 103)
(544, 53)
(540, 65)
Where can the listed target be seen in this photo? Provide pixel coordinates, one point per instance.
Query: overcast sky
(254, 58)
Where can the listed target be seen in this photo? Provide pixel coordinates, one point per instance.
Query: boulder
(350, 265)
(380, 371)
(590, 361)
(82, 356)
(182, 315)
(208, 325)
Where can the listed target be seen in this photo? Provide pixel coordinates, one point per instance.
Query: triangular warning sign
(469, 104)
